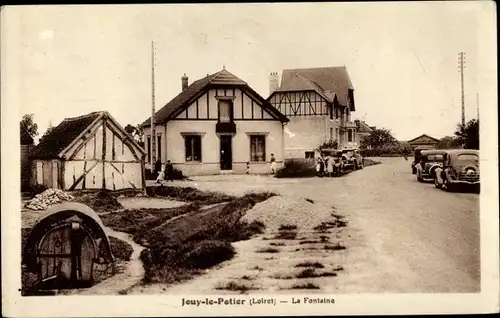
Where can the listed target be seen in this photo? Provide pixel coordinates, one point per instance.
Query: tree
(380, 139)
(448, 142)
(330, 144)
(136, 132)
(49, 129)
(468, 134)
(30, 126)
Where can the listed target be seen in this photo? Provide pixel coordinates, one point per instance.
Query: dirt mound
(102, 201)
(279, 210)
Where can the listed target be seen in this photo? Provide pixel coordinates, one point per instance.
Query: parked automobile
(352, 158)
(460, 167)
(430, 160)
(416, 157)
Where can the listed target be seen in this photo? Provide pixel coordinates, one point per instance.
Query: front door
(66, 257)
(226, 152)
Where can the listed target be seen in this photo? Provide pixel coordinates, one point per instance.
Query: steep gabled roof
(424, 136)
(322, 80)
(64, 134)
(26, 138)
(363, 127)
(182, 100)
(61, 136)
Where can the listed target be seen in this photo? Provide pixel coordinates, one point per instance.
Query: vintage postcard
(249, 159)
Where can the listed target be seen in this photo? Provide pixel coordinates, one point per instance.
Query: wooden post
(104, 153)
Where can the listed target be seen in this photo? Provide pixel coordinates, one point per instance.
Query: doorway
(226, 152)
(66, 257)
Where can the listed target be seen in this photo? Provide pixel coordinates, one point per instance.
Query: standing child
(169, 169)
(161, 176)
(273, 164)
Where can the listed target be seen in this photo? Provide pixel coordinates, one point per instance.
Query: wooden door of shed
(66, 255)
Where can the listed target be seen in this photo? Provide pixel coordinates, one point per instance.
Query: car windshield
(436, 157)
(468, 157)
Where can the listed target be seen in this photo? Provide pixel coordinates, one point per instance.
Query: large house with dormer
(215, 125)
(318, 103)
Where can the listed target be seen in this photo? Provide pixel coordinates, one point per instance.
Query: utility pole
(477, 104)
(461, 61)
(153, 130)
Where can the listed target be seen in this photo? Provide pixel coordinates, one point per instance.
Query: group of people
(325, 165)
(164, 174)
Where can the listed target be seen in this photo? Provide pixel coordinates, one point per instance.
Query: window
(158, 155)
(349, 135)
(148, 150)
(258, 148)
(331, 133)
(337, 113)
(309, 154)
(193, 148)
(471, 157)
(331, 111)
(225, 111)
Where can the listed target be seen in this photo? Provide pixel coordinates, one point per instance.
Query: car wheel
(436, 182)
(420, 179)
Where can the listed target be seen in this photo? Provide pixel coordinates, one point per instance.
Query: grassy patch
(197, 240)
(286, 235)
(311, 273)
(100, 201)
(281, 276)
(310, 264)
(257, 268)
(370, 162)
(235, 286)
(306, 249)
(121, 250)
(323, 227)
(308, 242)
(335, 247)
(277, 244)
(268, 250)
(310, 200)
(305, 286)
(297, 168)
(287, 227)
(189, 194)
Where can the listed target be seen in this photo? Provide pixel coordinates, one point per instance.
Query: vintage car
(338, 158)
(352, 158)
(416, 158)
(460, 167)
(430, 160)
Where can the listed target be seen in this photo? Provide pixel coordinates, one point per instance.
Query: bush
(205, 254)
(297, 168)
(189, 194)
(176, 175)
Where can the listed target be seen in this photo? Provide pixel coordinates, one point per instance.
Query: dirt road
(405, 236)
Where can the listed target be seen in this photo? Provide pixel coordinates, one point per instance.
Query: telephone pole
(461, 61)
(153, 130)
(477, 105)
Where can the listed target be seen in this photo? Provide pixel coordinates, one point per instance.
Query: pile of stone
(278, 210)
(47, 198)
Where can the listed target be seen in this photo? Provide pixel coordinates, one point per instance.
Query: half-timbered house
(318, 102)
(217, 124)
(88, 152)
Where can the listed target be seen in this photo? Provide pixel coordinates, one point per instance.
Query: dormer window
(225, 110)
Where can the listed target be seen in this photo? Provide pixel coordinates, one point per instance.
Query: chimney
(273, 82)
(185, 82)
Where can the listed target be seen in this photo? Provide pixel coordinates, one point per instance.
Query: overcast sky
(402, 57)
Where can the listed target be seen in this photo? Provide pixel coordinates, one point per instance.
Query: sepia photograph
(272, 158)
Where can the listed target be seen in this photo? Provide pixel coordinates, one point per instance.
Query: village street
(402, 236)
